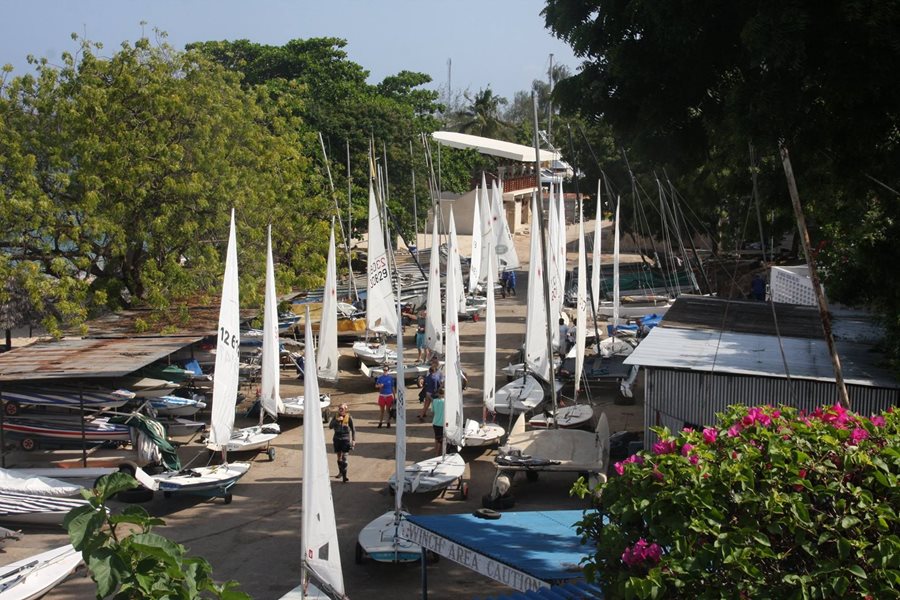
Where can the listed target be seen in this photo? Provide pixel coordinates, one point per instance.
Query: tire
(228, 498)
(464, 491)
(127, 469)
(28, 444)
(271, 453)
(487, 513)
(360, 554)
(11, 409)
(135, 495)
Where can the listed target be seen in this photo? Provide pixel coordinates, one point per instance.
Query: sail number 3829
(378, 271)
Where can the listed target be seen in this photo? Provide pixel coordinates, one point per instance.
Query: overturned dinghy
(295, 407)
(215, 480)
(30, 509)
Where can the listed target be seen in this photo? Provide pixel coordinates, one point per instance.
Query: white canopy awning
(492, 147)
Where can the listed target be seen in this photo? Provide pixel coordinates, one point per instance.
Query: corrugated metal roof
(492, 147)
(187, 321)
(751, 354)
(87, 358)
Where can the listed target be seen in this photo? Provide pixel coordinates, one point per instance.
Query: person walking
(433, 382)
(385, 386)
(511, 283)
(344, 439)
(420, 336)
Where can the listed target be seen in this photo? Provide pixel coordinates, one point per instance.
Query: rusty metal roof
(87, 358)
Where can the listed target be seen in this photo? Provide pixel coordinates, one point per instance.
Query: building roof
(492, 147)
(709, 350)
(192, 320)
(86, 357)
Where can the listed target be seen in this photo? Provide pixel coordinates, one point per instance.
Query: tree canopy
(692, 88)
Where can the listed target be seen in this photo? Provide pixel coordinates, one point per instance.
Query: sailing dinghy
(217, 480)
(439, 472)
(322, 575)
(36, 575)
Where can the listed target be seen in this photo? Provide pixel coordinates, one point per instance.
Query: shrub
(129, 562)
(772, 503)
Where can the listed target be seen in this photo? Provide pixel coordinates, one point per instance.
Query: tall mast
(337, 208)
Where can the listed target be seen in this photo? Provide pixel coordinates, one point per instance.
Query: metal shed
(693, 371)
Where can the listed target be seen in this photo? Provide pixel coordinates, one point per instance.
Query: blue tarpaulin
(520, 549)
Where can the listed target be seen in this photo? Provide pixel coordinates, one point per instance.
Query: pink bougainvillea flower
(664, 447)
(686, 450)
(734, 430)
(620, 468)
(694, 459)
(709, 435)
(657, 474)
(858, 435)
(877, 420)
(641, 552)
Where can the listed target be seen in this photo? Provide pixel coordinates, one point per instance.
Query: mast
(349, 223)
(337, 208)
(542, 226)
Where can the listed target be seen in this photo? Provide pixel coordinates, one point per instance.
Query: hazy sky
(501, 43)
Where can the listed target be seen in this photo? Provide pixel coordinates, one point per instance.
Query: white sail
(454, 263)
(434, 328)
(321, 554)
(595, 258)
(503, 242)
(453, 416)
(475, 260)
(552, 271)
(328, 339)
(381, 312)
(615, 316)
(536, 359)
(270, 378)
(225, 378)
(581, 304)
(561, 243)
(490, 337)
(487, 230)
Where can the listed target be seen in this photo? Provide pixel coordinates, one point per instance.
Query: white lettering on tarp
(470, 559)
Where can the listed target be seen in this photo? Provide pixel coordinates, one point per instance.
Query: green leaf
(840, 585)
(83, 525)
(857, 571)
(761, 538)
(849, 521)
(107, 570)
(158, 546)
(110, 485)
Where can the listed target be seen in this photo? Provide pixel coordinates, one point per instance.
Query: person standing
(344, 438)
(434, 381)
(420, 336)
(563, 338)
(511, 283)
(437, 421)
(385, 386)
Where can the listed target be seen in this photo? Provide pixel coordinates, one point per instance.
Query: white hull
(34, 576)
(24, 482)
(178, 426)
(376, 541)
(293, 407)
(173, 406)
(312, 593)
(431, 474)
(202, 479)
(250, 438)
(373, 354)
(521, 395)
(410, 372)
(478, 434)
(566, 417)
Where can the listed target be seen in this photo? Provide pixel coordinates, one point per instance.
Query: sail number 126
(228, 339)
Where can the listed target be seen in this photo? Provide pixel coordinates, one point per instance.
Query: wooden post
(844, 398)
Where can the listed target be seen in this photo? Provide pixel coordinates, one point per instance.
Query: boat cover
(155, 433)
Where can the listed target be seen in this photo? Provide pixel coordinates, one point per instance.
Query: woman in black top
(344, 438)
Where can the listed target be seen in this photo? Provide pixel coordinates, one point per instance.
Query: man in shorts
(434, 381)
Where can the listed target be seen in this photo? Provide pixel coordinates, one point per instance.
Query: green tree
(128, 561)
(691, 90)
(482, 116)
(118, 175)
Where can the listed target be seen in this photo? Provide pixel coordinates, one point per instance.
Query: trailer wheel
(464, 491)
(360, 554)
(28, 444)
(228, 498)
(271, 453)
(135, 495)
(11, 408)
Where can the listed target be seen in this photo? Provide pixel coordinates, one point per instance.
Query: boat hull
(432, 474)
(566, 417)
(294, 407)
(34, 576)
(377, 541)
(212, 479)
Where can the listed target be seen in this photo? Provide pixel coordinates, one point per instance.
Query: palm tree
(482, 116)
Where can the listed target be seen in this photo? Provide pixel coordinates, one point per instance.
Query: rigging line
(667, 239)
(688, 231)
(337, 208)
(676, 225)
(881, 183)
(684, 202)
(643, 224)
(787, 371)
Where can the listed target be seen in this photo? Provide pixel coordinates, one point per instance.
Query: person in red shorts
(385, 386)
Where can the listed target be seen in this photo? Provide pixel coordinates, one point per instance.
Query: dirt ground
(256, 539)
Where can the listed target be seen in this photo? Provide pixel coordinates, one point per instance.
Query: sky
(501, 43)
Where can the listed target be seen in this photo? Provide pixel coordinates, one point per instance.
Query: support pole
(843, 396)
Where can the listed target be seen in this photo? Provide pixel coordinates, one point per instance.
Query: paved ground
(256, 539)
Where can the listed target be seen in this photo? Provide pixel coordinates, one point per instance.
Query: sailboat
(258, 437)
(34, 576)
(440, 472)
(380, 316)
(527, 392)
(320, 560)
(574, 415)
(486, 433)
(380, 540)
(216, 480)
(328, 346)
